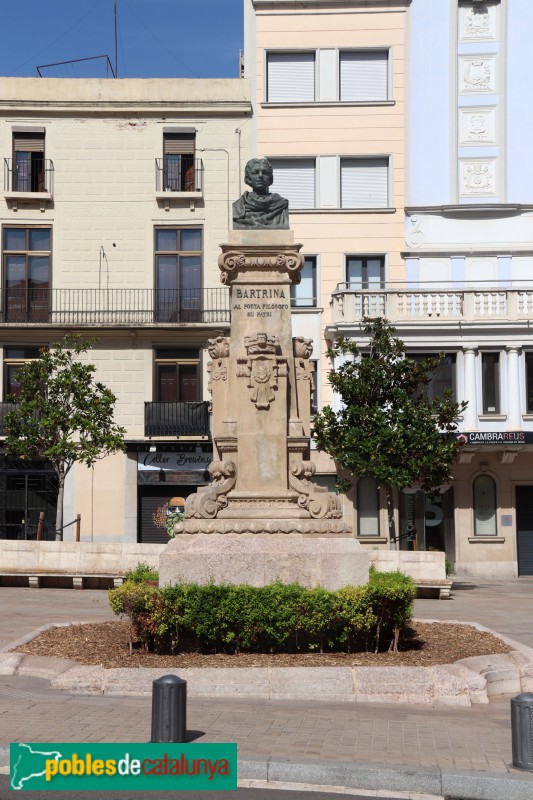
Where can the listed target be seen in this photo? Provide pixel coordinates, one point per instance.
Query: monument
(262, 517)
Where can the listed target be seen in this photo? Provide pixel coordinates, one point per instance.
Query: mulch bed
(106, 644)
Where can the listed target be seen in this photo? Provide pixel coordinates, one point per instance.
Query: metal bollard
(522, 731)
(169, 709)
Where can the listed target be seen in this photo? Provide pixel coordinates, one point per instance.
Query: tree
(388, 428)
(62, 413)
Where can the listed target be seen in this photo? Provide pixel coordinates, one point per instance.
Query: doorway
(427, 523)
(524, 529)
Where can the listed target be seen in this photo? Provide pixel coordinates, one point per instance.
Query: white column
(514, 420)
(470, 415)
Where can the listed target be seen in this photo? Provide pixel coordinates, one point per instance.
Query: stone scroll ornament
(262, 368)
(303, 350)
(320, 503)
(208, 500)
(260, 208)
(217, 369)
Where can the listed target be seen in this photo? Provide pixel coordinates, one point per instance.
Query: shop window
(178, 264)
(490, 368)
(303, 294)
(177, 376)
(26, 268)
(14, 358)
(485, 506)
(367, 507)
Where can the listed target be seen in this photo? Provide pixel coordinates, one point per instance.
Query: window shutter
(364, 183)
(178, 144)
(294, 178)
(28, 142)
(290, 77)
(363, 76)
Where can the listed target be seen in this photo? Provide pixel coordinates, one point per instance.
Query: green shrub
(268, 619)
(142, 572)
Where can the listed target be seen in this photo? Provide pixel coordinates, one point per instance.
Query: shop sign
(504, 438)
(173, 461)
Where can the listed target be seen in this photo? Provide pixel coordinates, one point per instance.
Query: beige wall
(103, 137)
(337, 129)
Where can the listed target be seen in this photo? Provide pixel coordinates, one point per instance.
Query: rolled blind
(28, 142)
(294, 178)
(363, 75)
(178, 144)
(290, 77)
(364, 183)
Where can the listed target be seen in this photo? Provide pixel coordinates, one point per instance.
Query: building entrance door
(427, 523)
(524, 529)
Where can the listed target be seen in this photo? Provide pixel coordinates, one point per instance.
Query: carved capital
(281, 259)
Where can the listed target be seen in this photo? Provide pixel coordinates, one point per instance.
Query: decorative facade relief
(477, 126)
(477, 22)
(477, 75)
(316, 499)
(217, 369)
(414, 236)
(262, 368)
(208, 500)
(477, 178)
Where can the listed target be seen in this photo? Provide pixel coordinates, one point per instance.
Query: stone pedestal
(260, 559)
(262, 506)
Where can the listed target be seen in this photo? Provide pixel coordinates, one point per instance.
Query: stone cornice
(112, 108)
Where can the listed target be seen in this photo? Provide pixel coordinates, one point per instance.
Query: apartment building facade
(116, 196)
(428, 93)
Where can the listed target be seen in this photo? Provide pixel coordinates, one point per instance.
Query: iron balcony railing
(115, 306)
(179, 174)
(5, 408)
(176, 419)
(32, 175)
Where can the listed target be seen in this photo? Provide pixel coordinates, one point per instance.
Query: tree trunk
(59, 511)
(390, 514)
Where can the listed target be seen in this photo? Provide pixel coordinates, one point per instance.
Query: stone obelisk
(262, 517)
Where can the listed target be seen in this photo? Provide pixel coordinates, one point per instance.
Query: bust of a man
(260, 208)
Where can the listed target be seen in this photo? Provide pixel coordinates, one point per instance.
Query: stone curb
(380, 777)
(472, 680)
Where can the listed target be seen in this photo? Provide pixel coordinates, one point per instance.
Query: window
(294, 178)
(442, 379)
(177, 376)
(314, 385)
(28, 162)
(490, 368)
(328, 75)
(178, 261)
(365, 272)
(14, 358)
(363, 75)
(290, 77)
(367, 507)
(26, 268)
(303, 295)
(364, 183)
(529, 383)
(484, 506)
(178, 161)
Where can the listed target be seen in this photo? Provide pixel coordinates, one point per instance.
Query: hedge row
(274, 618)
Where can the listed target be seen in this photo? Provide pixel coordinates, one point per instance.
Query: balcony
(176, 419)
(179, 179)
(30, 180)
(115, 307)
(433, 306)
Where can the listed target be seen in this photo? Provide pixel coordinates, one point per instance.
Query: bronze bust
(260, 208)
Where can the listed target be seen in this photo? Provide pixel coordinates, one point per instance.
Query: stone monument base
(259, 559)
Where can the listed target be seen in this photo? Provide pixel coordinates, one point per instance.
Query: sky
(156, 38)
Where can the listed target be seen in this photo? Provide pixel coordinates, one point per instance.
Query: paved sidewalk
(415, 748)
